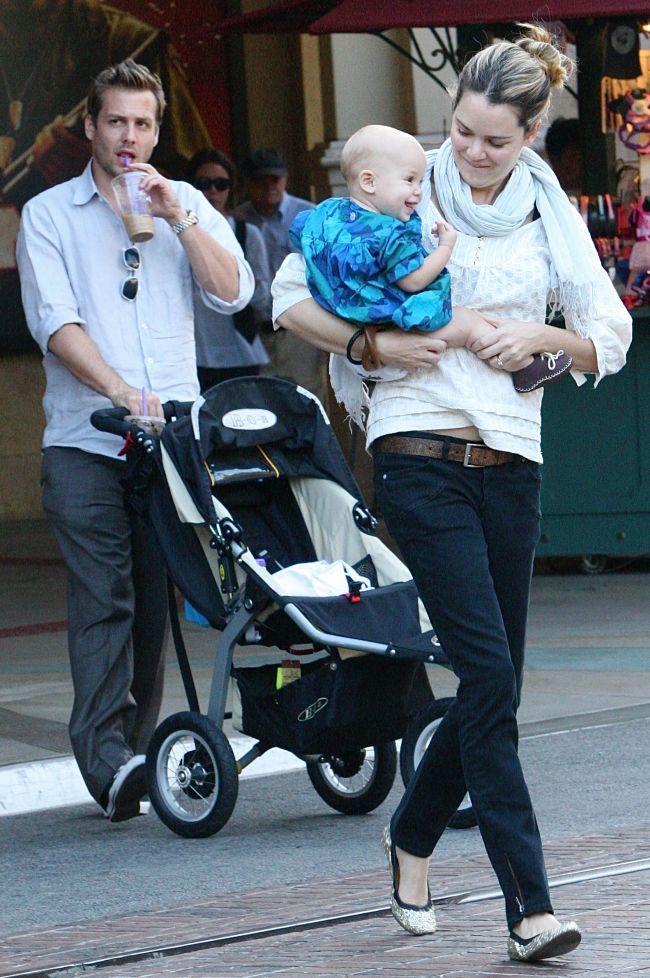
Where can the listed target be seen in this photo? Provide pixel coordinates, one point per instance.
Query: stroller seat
(291, 497)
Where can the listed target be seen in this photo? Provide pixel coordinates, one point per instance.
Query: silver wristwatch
(187, 222)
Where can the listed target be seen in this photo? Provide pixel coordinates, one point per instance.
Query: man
(272, 209)
(103, 344)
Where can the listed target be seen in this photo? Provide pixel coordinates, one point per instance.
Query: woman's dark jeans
(468, 536)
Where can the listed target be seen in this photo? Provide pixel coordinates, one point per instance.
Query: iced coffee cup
(134, 204)
(149, 424)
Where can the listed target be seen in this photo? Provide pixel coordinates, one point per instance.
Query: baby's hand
(446, 234)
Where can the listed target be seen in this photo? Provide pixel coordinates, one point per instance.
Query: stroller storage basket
(335, 705)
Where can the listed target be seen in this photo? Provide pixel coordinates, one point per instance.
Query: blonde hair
(520, 73)
(130, 75)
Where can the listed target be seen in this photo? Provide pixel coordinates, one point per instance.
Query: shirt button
(149, 359)
(143, 326)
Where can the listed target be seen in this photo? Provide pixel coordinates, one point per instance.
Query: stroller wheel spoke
(351, 776)
(192, 775)
(355, 782)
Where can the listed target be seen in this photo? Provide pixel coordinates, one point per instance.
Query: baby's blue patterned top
(355, 256)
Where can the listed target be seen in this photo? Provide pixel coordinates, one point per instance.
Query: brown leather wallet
(470, 454)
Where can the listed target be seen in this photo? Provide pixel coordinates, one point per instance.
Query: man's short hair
(130, 75)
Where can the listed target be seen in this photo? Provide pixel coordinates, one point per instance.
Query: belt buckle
(468, 450)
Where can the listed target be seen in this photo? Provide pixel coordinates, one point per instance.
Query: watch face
(623, 38)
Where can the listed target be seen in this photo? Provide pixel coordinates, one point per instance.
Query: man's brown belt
(470, 454)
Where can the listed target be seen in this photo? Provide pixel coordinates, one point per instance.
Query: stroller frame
(204, 768)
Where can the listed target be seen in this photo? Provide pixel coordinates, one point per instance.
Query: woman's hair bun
(540, 44)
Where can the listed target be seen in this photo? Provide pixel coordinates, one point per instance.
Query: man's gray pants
(117, 611)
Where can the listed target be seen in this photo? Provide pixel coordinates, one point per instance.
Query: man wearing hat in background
(272, 209)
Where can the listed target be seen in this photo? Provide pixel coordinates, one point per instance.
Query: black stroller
(243, 484)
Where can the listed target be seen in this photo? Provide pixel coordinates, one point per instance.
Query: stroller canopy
(254, 428)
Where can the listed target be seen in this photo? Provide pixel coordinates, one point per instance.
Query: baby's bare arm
(434, 263)
(429, 270)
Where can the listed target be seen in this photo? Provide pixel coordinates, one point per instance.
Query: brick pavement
(614, 913)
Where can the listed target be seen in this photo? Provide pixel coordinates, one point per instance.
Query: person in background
(457, 461)
(272, 209)
(115, 323)
(563, 147)
(229, 346)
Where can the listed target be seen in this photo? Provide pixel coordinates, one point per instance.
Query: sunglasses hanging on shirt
(130, 285)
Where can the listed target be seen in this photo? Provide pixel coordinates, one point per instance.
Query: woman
(457, 452)
(228, 346)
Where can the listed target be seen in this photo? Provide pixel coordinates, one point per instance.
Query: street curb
(56, 782)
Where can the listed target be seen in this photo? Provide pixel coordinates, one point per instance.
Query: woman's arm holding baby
(408, 350)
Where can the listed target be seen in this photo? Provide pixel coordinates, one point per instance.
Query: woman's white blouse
(507, 277)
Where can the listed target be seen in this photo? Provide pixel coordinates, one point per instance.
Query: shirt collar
(86, 187)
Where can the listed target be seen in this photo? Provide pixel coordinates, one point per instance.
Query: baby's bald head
(368, 147)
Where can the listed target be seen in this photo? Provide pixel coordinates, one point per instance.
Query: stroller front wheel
(355, 782)
(192, 775)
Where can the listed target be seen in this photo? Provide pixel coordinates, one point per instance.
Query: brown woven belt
(471, 454)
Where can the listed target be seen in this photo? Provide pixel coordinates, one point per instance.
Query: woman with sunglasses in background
(229, 346)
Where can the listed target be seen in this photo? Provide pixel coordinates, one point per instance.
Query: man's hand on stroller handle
(138, 402)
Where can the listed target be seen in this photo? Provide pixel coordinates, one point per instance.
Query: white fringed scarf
(531, 184)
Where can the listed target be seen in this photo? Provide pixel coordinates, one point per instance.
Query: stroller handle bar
(112, 420)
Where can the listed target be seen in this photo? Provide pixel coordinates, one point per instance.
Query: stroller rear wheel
(192, 775)
(415, 742)
(355, 782)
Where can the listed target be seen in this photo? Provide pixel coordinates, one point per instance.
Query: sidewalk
(589, 652)
(37, 770)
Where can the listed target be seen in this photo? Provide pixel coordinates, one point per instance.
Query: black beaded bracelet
(353, 339)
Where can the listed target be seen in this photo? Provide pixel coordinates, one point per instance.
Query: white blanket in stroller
(318, 578)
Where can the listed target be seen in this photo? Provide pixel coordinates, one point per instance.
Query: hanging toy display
(639, 262)
(631, 113)
(633, 108)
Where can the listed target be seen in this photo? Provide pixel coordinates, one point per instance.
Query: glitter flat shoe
(548, 944)
(416, 920)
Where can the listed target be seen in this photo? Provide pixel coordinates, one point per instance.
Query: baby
(364, 258)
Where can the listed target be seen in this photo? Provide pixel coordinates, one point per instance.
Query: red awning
(351, 16)
(290, 17)
(354, 16)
